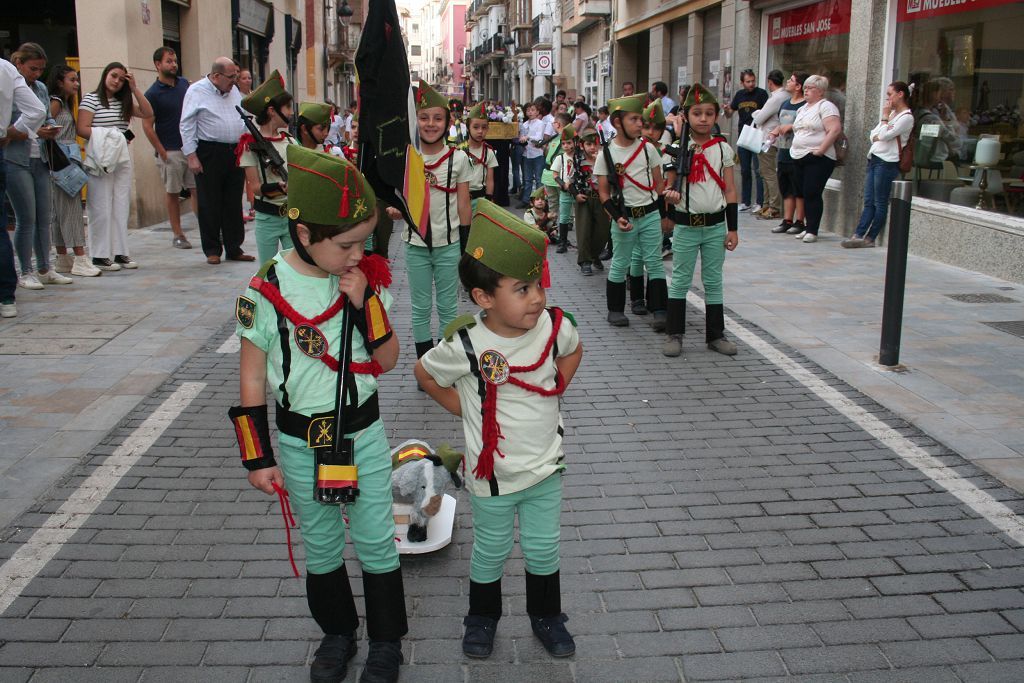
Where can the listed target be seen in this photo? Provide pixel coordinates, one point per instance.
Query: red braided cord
(289, 522)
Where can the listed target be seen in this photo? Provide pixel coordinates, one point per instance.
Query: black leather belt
(697, 220)
(477, 194)
(318, 430)
(266, 207)
(641, 211)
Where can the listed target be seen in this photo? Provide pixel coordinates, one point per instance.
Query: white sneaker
(800, 235)
(810, 238)
(8, 310)
(83, 267)
(30, 281)
(744, 207)
(754, 208)
(63, 263)
(52, 277)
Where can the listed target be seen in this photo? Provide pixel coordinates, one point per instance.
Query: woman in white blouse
(815, 130)
(888, 138)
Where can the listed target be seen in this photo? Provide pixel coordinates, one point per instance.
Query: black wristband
(463, 237)
(253, 432)
(267, 189)
(662, 207)
(732, 217)
(612, 207)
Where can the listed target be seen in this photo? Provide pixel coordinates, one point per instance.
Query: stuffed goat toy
(419, 477)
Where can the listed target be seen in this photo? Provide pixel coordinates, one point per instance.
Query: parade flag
(387, 157)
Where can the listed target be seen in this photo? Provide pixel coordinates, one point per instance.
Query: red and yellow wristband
(374, 324)
(253, 432)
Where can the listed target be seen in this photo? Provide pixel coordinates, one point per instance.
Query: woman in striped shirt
(111, 106)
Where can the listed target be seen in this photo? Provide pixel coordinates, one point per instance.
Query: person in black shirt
(745, 102)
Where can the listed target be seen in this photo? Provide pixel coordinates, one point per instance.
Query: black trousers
(811, 175)
(220, 199)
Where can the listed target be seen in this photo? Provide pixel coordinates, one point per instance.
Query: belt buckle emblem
(638, 211)
(698, 220)
(321, 432)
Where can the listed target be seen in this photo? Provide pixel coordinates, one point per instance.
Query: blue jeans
(29, 190)
(750, 167)
(533, 168)
(8, 273)
(877, 186)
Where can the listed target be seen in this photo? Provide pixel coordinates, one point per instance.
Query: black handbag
(56, 159)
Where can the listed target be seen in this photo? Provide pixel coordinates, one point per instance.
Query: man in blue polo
(166, 96)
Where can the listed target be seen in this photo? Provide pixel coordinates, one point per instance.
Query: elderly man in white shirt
(14, 91)
(767, 119)
(210, 128)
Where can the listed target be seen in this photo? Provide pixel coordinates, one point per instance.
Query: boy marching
(705, 214)
(481, 156)
(538, 215)
(592, 223)
(503, 371)
(563, 170)
(290, 321)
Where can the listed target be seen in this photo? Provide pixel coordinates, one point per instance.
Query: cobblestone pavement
(724, 518)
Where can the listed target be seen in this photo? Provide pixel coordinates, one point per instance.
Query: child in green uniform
(705, 214)
(481, 156)
(592, 224)
(652, 130)
(563, 168)
(271, 104)
(432, 258)
(502, 371)
(552, 151)
(636, 212)
(290, 322)
(538, 215)
(313, 125)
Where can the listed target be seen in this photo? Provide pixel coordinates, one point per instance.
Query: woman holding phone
(115, 101)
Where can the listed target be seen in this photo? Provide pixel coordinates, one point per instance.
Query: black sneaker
(553, 635)
(598, 265)
(782, 227)
(478, 642)
(125, 261)
(383, 659)
(105, 264)
(606, 254)
(330, 661)
(586, 269)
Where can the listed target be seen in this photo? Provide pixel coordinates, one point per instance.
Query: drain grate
(1014, 327)
(982, 298)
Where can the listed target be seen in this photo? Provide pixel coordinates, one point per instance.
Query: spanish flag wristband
(253, 432)
(373, 324)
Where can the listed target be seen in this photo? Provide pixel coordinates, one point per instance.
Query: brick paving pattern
(721, 522)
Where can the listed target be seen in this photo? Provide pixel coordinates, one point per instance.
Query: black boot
(563, 238)
(482, 620)
(334, 610)
(385, 625)
(422, 348)
(544, 605)
(675, 320)
(715, 335)
(657, 300)
(616, 293)
(637, 302)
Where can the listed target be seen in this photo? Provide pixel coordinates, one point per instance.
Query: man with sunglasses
(210, 129)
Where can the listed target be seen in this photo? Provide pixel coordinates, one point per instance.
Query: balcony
(344, 48)
(579, 15)
(540, 34)
(523, 38)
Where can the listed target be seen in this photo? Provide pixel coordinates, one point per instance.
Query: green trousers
(592, 226)
(269, 232)
(565, 203)
(687, 242)
(539, 508)
(645, 236)
(430, 272)
(371, 519)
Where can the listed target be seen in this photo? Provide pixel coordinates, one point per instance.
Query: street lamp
(344, 10)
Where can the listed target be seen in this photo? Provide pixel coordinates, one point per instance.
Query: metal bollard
(895, 272)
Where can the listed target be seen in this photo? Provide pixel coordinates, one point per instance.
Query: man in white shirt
(13, 91)
(210, 129)
(659, 89)
(767, 119)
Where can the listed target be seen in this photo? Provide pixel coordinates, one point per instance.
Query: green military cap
(326, 189)
(634, 104)
(315, 112)
(411, 451)
(427, 97)
(258, 100)
(477, 112)
(654, 113)
(538, 194)
(569, 132)
(505, 244)
(588, 135)
(699, 95)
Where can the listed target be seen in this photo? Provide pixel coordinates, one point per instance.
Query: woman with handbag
(890, 153)
(67, 223)
(111, 106)
(28, 180)
(815, 131)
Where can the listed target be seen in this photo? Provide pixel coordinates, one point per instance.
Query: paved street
(788, 512)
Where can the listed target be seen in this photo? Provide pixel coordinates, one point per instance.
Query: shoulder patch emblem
(465, 321)
(245, 312)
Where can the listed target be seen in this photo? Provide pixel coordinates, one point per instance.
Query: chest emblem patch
(431, 178)
(620, 169)
(494, 367)
(310, 340)
(245, 312)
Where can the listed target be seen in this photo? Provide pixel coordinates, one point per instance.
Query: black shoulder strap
(448, 196)
(474, 367)
(554, 346)
(284, 335)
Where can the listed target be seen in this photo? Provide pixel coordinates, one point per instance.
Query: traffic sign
(542, 63)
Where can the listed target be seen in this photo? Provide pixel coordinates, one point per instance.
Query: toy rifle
(337, 480)
(262, 148)
(613, 180)
(580, 179)
(681, 155)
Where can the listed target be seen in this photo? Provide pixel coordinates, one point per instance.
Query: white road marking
(46, 541)
(998, 514)
(231, 345)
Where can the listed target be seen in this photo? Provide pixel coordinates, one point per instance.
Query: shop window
(966, 63)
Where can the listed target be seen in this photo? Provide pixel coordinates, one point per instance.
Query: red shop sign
(828, 18)
(911, 10)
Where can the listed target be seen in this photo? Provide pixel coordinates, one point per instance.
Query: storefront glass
(966, 63)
